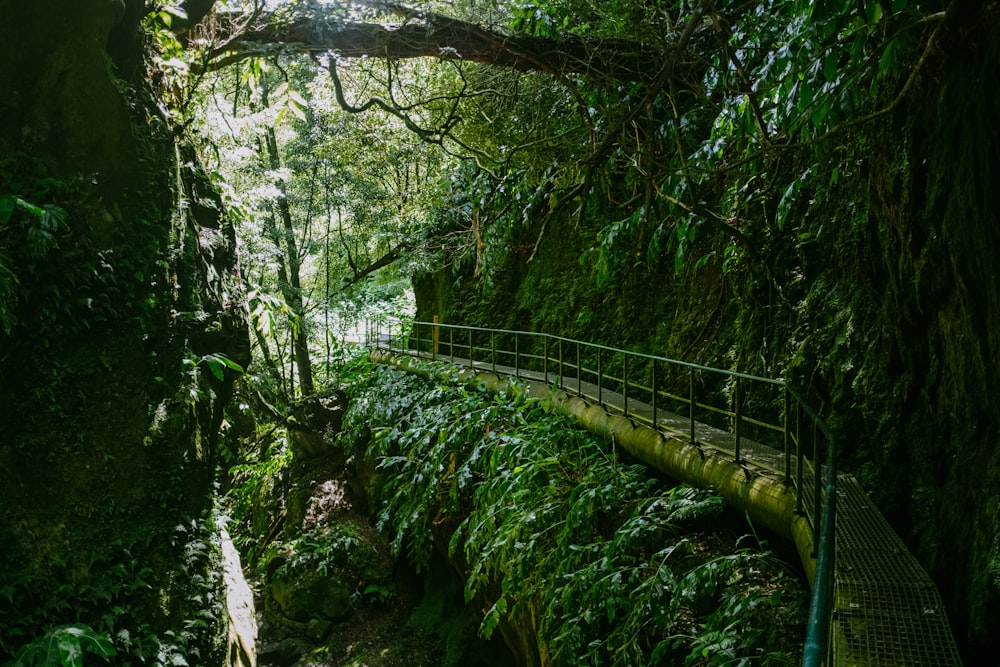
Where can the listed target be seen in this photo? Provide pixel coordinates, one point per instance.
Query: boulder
(317, 420)
(322, 575)
(304, 594)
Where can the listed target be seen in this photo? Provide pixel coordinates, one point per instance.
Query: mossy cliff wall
(936, 204)
(106, 433)
(881, 301)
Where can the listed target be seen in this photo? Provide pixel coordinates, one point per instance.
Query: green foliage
(341, 552)
(56, 277)
(26, 230)
(64, 646)
(121, 608)
(618, 564)
(195, 388)
(250, 478)
(770, 85)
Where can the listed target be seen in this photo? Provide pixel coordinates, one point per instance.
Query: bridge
(752, 439)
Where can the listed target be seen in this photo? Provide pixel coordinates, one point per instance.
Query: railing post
(561, 382)
(625, 382)
(517, 356)
(600, 377)
(451, 345)
(799, 509)
(545, 358)
(737, 416)
(470, 348)
(691, 403)
(579, 371)
(784, 432)
(652, 387)
(493, 350)
(436, 337)
(817, 484)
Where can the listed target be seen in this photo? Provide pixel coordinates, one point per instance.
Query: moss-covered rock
(325, 575)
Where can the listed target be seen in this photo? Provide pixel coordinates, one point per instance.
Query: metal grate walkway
(887, 611)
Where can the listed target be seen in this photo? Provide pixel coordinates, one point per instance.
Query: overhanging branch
(434, 36)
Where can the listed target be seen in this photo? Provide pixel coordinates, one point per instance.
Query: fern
(616, 562)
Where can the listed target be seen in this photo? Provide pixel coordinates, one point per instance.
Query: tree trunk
(290, 278)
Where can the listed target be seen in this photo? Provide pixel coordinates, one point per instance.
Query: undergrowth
(619, 566)
(97, 614)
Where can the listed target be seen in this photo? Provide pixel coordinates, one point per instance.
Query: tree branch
(431, 35)
(382, 262)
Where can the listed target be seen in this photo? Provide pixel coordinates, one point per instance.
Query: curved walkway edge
(760, 493)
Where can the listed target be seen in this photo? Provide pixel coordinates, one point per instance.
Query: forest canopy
(453, 133)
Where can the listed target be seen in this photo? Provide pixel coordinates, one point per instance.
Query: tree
(732, 155)
(726, 92)
(325, 199)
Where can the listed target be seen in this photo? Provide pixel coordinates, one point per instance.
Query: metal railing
(648, 385)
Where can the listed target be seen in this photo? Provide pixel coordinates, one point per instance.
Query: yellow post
(436, 335)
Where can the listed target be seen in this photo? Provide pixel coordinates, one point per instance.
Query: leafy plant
(107, 608)
(619, 567)
(65, 646)
(341, 551)
(35, 227)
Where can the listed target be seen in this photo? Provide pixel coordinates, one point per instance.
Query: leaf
(888, 58)
(788, 199)
(176, 11)
(216, 367)
(492, 618)
(70, 652)
(229, 363)
(6, 208)
(294, 108)
(28, 207)
(65, 646)
(830, 67)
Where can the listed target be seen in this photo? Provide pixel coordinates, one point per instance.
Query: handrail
(823, 520)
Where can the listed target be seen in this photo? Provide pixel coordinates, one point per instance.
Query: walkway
(886, 610)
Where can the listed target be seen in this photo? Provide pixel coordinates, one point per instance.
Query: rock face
(110, 320)
(307, 595)
(241, 649)
(317, 421)
(325, 574)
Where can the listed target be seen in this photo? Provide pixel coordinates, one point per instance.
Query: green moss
(442, 616)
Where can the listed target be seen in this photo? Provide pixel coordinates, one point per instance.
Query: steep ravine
(328, 593)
